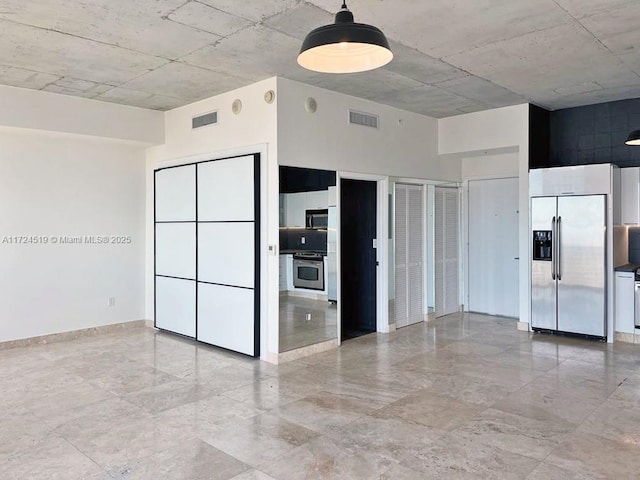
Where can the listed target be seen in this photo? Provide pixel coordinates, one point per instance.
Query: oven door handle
(307, 263)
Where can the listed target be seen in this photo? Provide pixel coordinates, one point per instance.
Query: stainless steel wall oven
(308, 271)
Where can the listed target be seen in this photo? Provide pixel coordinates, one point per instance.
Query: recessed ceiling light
(236, 106)
(310, 105)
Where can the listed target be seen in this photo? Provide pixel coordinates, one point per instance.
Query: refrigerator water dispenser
(542, 245)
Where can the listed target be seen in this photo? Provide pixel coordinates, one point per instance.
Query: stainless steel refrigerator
(568, 272)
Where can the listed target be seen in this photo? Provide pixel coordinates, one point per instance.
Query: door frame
(382, 250)
(464, 244)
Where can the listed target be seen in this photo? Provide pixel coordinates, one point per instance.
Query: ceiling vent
(364, 119)
(204, 120)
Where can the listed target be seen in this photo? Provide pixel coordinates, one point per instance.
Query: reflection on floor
(462, 397)
(297, 331)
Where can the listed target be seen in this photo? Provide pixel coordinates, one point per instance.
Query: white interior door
(207, 252)
(227, 266)
(416, 216)
(493, 246)
(409, 254)
(400, 243)
(446, 251)
(175, 249)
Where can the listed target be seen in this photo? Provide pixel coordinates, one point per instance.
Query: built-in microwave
(318, 219)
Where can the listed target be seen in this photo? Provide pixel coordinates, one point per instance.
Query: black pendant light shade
(633, 138)
(344, 47)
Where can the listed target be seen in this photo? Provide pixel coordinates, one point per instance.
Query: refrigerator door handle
(553, 244)
(636, 310)
(559, 248)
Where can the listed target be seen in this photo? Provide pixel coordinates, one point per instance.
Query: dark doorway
(358, 214)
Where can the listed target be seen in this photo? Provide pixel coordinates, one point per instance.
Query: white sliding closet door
(409, 254)
(227, 254)
(207, 246)
(447, 251)
(493, 246)
(175, 249)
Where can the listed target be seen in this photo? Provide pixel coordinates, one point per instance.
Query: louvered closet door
(409, 254)
(415, 253)
(446, 251)
(402, 291)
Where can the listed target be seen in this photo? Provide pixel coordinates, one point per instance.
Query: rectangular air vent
(204, 120)
(364, 119)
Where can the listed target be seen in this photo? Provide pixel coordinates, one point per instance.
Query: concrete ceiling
(451, 56)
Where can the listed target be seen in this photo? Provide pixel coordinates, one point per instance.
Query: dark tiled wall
(539, 141)
(634, 245)
(291, 239)
(595, 134)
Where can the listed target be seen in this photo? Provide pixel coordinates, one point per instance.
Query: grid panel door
(227, 254)
(175, 249)
(207, 252)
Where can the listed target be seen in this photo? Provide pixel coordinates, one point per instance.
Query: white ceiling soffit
(451, 56)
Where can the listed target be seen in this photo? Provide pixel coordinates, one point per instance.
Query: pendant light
(345, 46)
(633, 138)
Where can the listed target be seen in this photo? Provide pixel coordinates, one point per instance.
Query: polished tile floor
(463, 397)
(297, 331)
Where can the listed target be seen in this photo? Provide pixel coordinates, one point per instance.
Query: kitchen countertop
(629, 267)
(291, 252)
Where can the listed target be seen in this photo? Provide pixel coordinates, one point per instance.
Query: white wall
(55, 185)
(486, 130)
(405, 145)
(254, 130)
(491, 131)
(491, 165)
(53, 112)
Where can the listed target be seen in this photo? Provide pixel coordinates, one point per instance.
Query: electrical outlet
(112, 302)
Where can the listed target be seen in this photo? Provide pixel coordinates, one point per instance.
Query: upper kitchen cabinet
(303, 189)
(630, 195)
(296, 180)
(297, 204)
(333, 196)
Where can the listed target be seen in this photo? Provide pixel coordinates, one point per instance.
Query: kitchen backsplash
(291, 239)
(634, 245)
